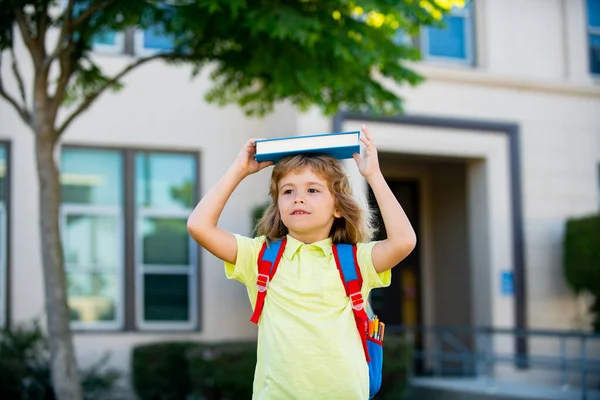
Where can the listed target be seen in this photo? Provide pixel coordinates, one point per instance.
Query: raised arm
(202, 223)
(401, 238)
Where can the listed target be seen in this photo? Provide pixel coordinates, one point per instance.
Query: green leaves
(314, 54)
(581, 259)
(87, 80)
(7, 17)
(582, 253)
(333, 54)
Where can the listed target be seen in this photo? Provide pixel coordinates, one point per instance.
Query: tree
(332, 54)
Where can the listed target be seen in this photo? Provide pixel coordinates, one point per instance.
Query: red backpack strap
(347, 264)
(268, 260)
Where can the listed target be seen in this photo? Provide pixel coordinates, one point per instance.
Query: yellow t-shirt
(308, 344)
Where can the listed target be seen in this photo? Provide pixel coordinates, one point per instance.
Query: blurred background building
(497, 148)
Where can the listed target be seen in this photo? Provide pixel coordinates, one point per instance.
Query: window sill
(472, 75)
(120, 331)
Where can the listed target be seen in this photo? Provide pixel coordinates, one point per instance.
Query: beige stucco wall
(532, 71)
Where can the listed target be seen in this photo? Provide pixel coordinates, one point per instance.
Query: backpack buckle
(262, 282)
(357, 301)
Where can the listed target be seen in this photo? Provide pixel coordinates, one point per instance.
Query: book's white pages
(300, 143)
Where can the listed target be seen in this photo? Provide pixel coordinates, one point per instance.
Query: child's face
(306, 205)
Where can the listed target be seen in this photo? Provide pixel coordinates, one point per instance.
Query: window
(112, 213)
(165, 253)
(92, 235)
(109, 42)
(454, 42)
(593, 17)
(145, 42)
(3, 234)
(152, 40)
(106, 41)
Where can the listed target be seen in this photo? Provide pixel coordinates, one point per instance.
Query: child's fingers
(367, 139)
(252, 142)
(366, 132)
(369, 145)
(264, 164)
(356, 157)
(250, 146)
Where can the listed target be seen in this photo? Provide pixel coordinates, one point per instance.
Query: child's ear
(337, 214)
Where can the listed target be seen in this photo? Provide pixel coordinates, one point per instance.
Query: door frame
(512, 131)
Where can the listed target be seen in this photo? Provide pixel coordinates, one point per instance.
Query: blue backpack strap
(268, 260)
(347, 264)
(345, 258)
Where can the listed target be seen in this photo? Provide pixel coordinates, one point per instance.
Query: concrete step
(482, 389)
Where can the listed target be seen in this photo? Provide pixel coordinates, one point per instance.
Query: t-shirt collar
(294, 245)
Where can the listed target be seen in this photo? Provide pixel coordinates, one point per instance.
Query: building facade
(497, 148)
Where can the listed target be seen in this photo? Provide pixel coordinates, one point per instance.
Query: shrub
(582, 259)
(223, 371)
(226, 371)
(98, 380)
(25, 368)
(160, 370)
(24, 371)
(396, 363)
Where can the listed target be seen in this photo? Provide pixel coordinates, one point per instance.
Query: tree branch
(25, 32)
(94, 7)
(70, 25)
(64, 32)
(89, 99)
(18, 76)
(22, 110)
(66, 71)
(28, 37)
(42, 25)
(68, 13)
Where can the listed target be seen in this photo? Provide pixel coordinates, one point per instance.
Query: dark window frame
(591, 31)
(5, 292)
(598, 188)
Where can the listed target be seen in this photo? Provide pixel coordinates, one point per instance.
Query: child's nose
(298, 199)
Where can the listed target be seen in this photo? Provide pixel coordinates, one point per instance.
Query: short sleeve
(371, 279)
(245, 267)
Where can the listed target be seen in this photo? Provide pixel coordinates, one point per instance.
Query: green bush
(396, 363)
(160, 370)
(582, 259)
(223, 371)
(25, 368)
(24, 372)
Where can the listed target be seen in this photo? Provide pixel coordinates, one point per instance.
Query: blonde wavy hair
(355, 224)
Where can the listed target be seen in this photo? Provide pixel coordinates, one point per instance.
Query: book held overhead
(339, 145)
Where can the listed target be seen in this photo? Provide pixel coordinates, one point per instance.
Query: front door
(400, 303)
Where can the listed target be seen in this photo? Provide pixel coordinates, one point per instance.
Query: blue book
(339, 145)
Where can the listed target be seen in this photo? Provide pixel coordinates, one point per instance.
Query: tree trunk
(65, 378)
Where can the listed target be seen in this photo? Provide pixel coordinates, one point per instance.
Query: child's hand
(245, 160)
(368, 164)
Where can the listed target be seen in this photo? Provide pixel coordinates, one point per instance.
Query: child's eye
(312, 190)
(288, 191)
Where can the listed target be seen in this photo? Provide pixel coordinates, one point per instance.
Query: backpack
(347, 264)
